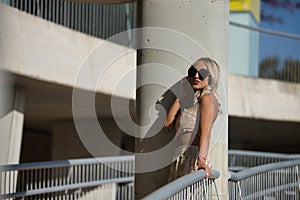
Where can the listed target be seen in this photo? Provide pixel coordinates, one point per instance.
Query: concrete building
(262, 113)
(40, 63)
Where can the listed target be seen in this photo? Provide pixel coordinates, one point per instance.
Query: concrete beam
(267, 99)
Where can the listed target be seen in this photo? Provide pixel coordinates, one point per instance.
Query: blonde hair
(214, 76)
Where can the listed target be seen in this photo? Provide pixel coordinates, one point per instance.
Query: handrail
(260, 169)
(179, 184)
(67, 177)
(262, 30)
(241, 159)
(262, 154)
(275, 181)
(65, 187)
(66, 163)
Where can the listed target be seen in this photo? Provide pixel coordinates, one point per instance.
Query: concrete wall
(263, 99)
(36, 146)
(46, 51)
(67, 144)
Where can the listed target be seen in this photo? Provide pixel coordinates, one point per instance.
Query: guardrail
(278, 52)
(91, 178)
(241, 159)
(271, 181)
(113, 178)
(190, 186)
(95, 19)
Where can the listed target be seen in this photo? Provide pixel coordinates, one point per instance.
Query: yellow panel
(240, 5)
(255, 9)
(252, 6)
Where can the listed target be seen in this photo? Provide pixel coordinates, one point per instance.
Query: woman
(194, 120)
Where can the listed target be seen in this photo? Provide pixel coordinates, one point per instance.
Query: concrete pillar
(11, 121)
(200, 21)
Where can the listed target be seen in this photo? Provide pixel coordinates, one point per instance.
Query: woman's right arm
(172, 113)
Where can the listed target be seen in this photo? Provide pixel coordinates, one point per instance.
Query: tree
(268, 67)
(291, 70)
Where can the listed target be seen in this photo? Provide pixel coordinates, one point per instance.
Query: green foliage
(269, 68)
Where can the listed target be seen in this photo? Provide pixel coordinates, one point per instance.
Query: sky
(277, 46)
(290, 18)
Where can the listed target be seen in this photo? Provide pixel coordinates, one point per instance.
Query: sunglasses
(203, 73)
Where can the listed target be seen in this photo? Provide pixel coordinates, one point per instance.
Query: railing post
(239, 189)
(298, 176)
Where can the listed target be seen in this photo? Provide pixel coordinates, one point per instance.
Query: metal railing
(277, 51)
(98, 20)
(113, 178)
(191, 186)
(271, 181)
(241, 159)
(91, 178)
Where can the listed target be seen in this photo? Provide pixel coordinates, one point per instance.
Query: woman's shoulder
(211, 99)
(208, 99)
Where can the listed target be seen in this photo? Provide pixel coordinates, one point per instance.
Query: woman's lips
(196, 81)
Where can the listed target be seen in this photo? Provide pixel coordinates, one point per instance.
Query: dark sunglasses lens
(192, 72)
(203, 73)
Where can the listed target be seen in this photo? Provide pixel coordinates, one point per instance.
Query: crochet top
(187, 121)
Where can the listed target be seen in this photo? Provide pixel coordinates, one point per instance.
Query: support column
(11, 123)
(206, 23)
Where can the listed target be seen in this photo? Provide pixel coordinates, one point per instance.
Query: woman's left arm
(206, 122)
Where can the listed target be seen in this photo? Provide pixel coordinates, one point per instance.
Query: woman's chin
(196, 87)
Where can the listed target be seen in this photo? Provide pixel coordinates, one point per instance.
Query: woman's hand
(201, 164)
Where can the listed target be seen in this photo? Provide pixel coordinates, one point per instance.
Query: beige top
(187, 121)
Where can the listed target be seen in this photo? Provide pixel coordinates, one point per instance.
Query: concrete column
(11, 123)
(201, 21)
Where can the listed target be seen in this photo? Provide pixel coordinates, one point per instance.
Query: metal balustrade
(279, 180)
(192, 186)
(241, 159)
(112, 177)
(278, 52)
(95, 19)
